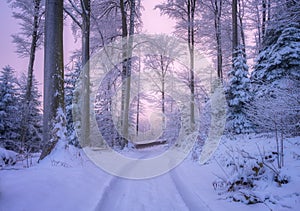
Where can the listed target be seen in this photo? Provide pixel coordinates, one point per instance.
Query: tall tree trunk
(269, 10)
(34, 39)
(240, 15)
(138, 100)
(264, 18)
(85, 108)
(125, 126)
(163, 74)
(218, 13)
(124, 64)
(191, 4)
(258, 20)
(53, 71)
(234, 28)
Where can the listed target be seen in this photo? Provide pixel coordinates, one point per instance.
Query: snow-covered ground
(68, 180)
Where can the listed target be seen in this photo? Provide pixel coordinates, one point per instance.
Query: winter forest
(204, 117)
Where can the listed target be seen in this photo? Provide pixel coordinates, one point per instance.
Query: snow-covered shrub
(60, 163)
(108, 114)
(276, 107)
(211, 121)
(245, 173)
(7, 157)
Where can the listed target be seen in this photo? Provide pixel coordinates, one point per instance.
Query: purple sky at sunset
(8, 27)
(152, 22)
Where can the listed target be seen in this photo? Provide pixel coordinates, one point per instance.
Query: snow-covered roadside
(275, 196)
(67, 180)
(52, 185)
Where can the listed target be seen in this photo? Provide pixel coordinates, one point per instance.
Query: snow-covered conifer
(280, 58)
(70, 83)
(280, 55)
(9, 114)
(238, 95)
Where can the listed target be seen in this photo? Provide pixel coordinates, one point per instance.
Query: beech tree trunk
(53, 71)
(234, 28)
(217, 15)
(124, 64)
(138, 101)
(126, 72)
(84, 25)
(164, 70)
(264, 18)
(240, 16)
(33, 47)
(85, 107)
(191, 6)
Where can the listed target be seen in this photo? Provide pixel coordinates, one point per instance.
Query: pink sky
(152, 21)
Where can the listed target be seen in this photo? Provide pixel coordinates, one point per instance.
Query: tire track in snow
(192, 200)
(114, 188)
(120, 193)
(157, 193)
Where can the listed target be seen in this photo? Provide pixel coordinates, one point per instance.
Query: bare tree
(276, 109)
(127, 36)
(160, 63)
(80, 13)
(184, 12)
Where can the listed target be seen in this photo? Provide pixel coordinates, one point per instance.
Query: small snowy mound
(64, 155)
(7, 157)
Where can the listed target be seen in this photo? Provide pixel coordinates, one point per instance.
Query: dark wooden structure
(149, 144)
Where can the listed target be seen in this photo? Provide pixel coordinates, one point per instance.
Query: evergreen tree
(32, 121)
(9, 114)
(280, 55)
(276, 75)
(31, 17)
(279, 59)
(238, 94)
(70, 83)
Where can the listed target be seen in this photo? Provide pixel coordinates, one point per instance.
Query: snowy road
(68, 180)
(165, 192)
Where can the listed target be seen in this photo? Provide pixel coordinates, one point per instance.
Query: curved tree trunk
(33, 47)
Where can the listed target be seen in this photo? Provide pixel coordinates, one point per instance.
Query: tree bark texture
(53, 70)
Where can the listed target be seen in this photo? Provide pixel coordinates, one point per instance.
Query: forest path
(170, 191)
